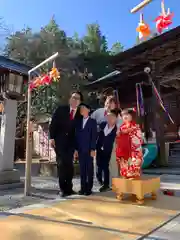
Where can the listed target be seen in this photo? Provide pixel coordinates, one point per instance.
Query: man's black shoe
(81, 192)
(63, 195)
(104, 188)
(88, 193)
(72, 192)
(69, 193)
(100, 181)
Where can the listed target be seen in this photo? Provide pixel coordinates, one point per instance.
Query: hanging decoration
(164, 20)
(46, 79)
(116, 95)
(142, 111)
(137, 100)
(143, 29)
(161, 101)
(140, 100)
(54, 74)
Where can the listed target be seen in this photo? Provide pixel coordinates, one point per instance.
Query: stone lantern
(11, 86)
(11, 91)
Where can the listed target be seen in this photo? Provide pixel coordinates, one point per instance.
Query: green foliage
(116, 48)
(94, 40)
(77, 56)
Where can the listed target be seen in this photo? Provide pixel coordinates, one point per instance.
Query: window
(15, 83)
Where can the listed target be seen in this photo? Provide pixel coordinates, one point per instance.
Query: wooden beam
(140, 6)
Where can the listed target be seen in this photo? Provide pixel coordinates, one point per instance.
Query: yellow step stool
(136, 187)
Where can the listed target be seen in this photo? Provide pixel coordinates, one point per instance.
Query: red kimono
(129, 151)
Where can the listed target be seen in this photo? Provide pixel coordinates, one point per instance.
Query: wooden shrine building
(162, 55)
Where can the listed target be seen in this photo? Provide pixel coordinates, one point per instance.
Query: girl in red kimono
(128, 147)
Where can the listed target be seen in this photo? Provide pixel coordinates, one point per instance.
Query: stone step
(160, 171)
(174, 145)
(174, 165)
(43, 169)
(174, 148)
(170, 178)
(174, 159)
(174, 151)
(174, 154)
(173, 162)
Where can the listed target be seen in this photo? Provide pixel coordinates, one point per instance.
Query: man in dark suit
(62, 135)
(86, 135)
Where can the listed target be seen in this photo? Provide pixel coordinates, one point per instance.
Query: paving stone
(45, 192)
(44, 189)
(170, 231)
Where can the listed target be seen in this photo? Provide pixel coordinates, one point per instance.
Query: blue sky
(72, 15)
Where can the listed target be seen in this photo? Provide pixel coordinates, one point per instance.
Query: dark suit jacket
(106, 141)
(62, 129)
(86, 137)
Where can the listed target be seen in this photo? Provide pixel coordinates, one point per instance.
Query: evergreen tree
(116, 48)
(77, 57)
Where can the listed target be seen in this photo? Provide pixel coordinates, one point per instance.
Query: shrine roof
(162, 41)
(14, 66)
(130, 63)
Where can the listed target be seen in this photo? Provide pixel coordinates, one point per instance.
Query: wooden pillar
(158, 120)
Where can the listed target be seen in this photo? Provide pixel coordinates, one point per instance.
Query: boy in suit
(86, 135)
(104, 148)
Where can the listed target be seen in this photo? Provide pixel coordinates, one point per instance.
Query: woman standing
(100, 115)
(113, 167)
(128, 147)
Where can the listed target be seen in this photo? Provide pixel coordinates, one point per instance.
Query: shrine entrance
(162, 55)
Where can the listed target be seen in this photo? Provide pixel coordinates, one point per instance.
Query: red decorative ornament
(143, 28)
(46, 80)
(164, 20)
(36, 83)
(31, 86)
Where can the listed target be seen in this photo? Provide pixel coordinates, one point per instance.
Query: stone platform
(137, 188)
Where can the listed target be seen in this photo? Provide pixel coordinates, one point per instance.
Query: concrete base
(10, 179)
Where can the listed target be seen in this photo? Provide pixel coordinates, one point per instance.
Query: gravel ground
(44, 188)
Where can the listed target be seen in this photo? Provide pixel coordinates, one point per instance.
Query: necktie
(105, 113)
(72, 114)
